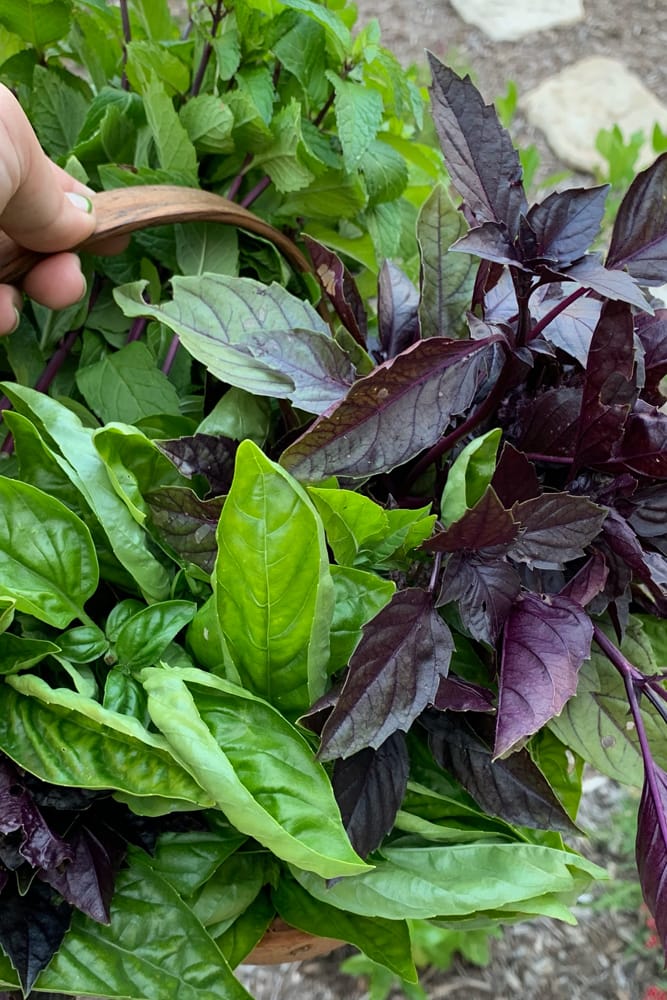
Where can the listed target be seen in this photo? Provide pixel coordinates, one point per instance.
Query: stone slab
(507, 20)
(589, 95)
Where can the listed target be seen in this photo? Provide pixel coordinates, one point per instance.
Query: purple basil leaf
(39, 845)
(484, 589)
(639, 238)
(481, 160)
(616, 285)
(369, 787)
(644, 445)
(572, 329)
(622, 541)
(393, 675)
(609, 388)
(186, 524)
(340, 288)
(651, 847)
(32, 927)
(514, 478)
(495, 293)
(555, 529)
(374, 429)
(547, 424)
(208, 455)
(319, 711)
(490, 241)
(486, 525)
(566, 223)
(652, 334)
(649, 515)
(398, 310)
(513, 789)
(459, 695)
(545, 641)
(87, 882)
(588, 582)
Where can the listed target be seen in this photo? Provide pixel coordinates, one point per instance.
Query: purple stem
(556, 311)
(127, 36)
(550, 459)
(170, 356)
(136, 330)
(254, 194)
(238, 180)
(218, 14)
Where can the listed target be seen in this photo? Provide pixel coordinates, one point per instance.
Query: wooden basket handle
(125, 210)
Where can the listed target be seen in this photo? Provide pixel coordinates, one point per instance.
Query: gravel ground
(604, 957)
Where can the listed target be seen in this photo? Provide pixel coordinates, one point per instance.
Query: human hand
(42, 208)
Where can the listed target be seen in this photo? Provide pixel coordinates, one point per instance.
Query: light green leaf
(359, 597)
(127, 386)
(562, 768)
(469, 476)
(256, 766)
(188, 860)
(153, 948)
(38, 22)
(447, 279)
(175, 150)
(247, 930)
(209, 123)
(281, 159)
(336, 194)
(273, 588)
(57, 111)
(454, 880)
(301, 50)
(233, 886)
(7, 609)
(124, 694)
(47, 558)
(145, 636)
(155, 18)
(17, 653)
(83, 644)
(147, 59)
(385, 941)
(335, 27)
(207, 246)
(67, 739)
(385, 172)
(262, 339)
(84, 467)
(239, 415)
(358, 116)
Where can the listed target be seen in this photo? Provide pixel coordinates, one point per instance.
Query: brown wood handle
(125, 210)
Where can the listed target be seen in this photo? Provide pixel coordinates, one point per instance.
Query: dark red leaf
(648, 515)
(514, 478)
(545, 641)
(393, 675)
(547, 424)
(340, 288)
(566, 223)
(398, 310)
(572, 329)
(19, 815)
(588, 582)
(639, 238)
(481, 160)
(369, 787)
(651, 847)
(652, 334)
(609, 388)
(87, 882)
(614, 285)
(484, 589)
(490, 241)
(401, 408)
(208, 455)
(32, 927)
(485, 525)
(555, 529)
(513, 789)
(186, 524)
(459, 695)
(644, 445)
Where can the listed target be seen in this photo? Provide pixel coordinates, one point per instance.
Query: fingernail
(17, 322)
(85, 288)
(80, 201)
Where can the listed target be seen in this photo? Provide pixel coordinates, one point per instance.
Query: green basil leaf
(171, 953)
(38, 465)
(385, 941)
(174, 148)
(67, 739)
(233, 887)
(145, 636)
(85, 469)
(359, 597)
(47, 558)
(127, 386)
(189, 860)
(57, 111)
(454, 880)
(257, 767)
(17, 653)
(37, 22)
(273, 587)
(469, 476)
(446, 288)
(358, 117)
(7, 609)
(209, 123)
(247, 930)
(239, 415)
(83, 644)
(207, 246)
(125, 695)
(145, 58)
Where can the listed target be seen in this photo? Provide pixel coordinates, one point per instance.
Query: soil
(608, 955)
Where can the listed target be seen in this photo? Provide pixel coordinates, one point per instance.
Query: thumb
(41, 207)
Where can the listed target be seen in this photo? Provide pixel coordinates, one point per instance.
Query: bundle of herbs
(317, 591)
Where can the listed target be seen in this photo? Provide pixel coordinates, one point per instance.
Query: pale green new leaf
(359, 597)
(153, 949)
(38, 22)
(336, 29)
(256, 337)
(469, 476)
(274, 593)
(175, 150)
(48, 563)
(86, 470)
(67, 739)
(454, 880)
(127, 386)
(145, 58)
(447, 279)
(239, 415)
(256, 766)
